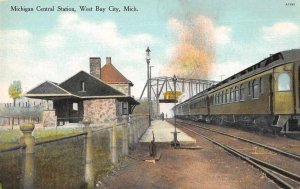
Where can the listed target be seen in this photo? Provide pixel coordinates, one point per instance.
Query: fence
(72, 161)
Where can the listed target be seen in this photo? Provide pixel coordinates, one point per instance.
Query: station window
(255, 88)
(242, 92)
(284, 83)
(224, 97)
(237, 96)
(75, 106)
(124, 108)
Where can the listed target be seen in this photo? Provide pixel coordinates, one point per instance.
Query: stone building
(100, 95)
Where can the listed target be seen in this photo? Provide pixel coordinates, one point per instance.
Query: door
(283, 90)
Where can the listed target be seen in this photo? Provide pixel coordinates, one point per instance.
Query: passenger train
(264, 96)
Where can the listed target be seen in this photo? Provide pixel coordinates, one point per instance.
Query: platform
(163, 133)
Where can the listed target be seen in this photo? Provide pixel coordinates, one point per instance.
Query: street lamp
(150, 91)
(148, 82)
(175, 142)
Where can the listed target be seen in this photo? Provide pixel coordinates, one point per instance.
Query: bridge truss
(188, 88)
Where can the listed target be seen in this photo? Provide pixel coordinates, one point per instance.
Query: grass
(11, 138)
(59, 164)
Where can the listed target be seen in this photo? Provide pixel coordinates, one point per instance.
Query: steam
(194, 50)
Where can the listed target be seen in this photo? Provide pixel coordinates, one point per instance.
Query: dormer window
(82, 86)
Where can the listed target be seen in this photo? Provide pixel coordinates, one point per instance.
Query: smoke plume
(194, 50)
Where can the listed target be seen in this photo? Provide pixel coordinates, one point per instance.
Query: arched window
(242, 92)
(237, 96)
(284, 83)
(255, 88)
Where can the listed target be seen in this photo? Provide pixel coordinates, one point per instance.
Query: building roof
(72, 87)
(111, 75)
(48, 89)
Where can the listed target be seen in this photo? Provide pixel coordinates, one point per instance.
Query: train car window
(232, 95)
(261, 89)
(214, 96)
(228, 95)
(237, 96)
(249, 88)
(221, 97)
(242, 92)
(215, 99)
(284, 83)
(255, 88)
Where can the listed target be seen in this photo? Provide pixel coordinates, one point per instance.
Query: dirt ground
(209, 167)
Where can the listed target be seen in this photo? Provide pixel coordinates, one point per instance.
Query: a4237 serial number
(290, 4)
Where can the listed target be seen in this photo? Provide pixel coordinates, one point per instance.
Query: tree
(15, 90)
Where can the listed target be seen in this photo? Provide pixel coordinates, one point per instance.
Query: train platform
(163, 132)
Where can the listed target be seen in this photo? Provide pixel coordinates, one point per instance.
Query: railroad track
(284, 178)
(274, 149)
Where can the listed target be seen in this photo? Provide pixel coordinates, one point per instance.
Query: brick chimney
(108, 60)
(95, 67)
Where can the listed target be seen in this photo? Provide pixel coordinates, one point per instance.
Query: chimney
(108, 60)
(95, 67)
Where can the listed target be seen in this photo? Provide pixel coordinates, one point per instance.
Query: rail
(288, 154)
(263, 166)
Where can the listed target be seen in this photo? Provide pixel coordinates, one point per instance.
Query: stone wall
(99, 110)
(124, 88)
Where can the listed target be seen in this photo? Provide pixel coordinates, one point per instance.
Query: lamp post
(148, 82)
(175, 142)
(150, 102)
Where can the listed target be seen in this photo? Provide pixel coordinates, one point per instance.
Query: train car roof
(273, 60)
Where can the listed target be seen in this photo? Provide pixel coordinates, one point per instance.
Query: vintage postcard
(127, 94)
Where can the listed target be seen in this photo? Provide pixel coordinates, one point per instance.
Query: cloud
(280, 30)
(16, 41)
(65, 50)
(53, 41)
(104, 33)
(222, 35)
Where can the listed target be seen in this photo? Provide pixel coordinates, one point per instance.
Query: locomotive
(264, 96)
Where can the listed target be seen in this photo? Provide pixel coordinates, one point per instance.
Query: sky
(40, 45)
